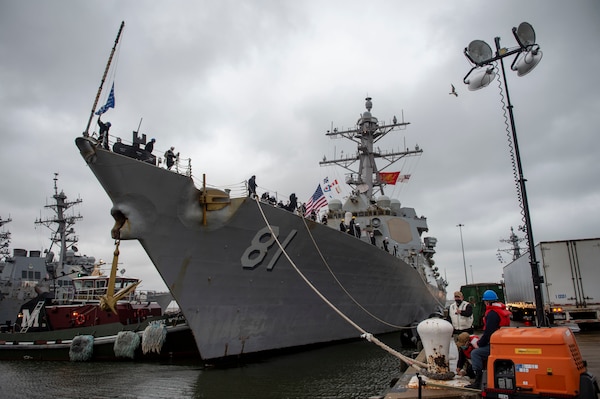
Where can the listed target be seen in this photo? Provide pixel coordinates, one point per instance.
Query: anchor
(109, 300)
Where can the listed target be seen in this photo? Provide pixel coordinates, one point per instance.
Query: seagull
(395, 120)
(453, 90)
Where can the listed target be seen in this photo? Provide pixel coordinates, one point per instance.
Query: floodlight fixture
(524, 34)
(480, 77)
(478, 52)
(528, 54)
(525, 62)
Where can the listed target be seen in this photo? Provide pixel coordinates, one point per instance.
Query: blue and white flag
(110, 102)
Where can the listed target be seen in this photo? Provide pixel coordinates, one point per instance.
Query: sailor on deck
(103, 134)
(150, 146)
(252, 186)
(170, 157)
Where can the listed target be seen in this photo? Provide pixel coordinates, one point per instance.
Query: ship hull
(238, 289)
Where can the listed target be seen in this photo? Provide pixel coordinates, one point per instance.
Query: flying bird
(453, 91)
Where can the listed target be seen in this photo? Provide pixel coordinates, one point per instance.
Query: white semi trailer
(571, 287)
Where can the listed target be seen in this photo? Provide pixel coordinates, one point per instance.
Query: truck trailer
(570, 289)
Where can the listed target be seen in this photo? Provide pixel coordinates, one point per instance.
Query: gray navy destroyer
(24, 274)
(245, 272)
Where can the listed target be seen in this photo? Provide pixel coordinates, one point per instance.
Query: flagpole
(87, 128)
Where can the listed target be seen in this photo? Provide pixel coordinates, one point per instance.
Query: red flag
(389, 177)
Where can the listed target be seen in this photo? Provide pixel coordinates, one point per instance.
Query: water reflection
(353, 370)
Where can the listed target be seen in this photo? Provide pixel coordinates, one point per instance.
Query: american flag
(110, 102)
(316, 202)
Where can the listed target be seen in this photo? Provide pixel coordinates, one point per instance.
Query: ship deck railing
(182, 166)
(93, 294)
(371, 212)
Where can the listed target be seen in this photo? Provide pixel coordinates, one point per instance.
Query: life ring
(80, 319)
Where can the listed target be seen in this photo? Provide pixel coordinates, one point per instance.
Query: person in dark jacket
(351, 227)
(496, 316)
(466, 344)
(170, 157)
(103, 133)
(252, 186)
(150, 146)
(293, 203)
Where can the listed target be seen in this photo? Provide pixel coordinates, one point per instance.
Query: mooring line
(423, 281)
(344, 288)
(419, 366)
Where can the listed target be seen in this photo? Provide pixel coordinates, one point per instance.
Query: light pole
(528, 56)
(460, 226)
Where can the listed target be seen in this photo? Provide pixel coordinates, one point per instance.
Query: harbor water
(349, 370)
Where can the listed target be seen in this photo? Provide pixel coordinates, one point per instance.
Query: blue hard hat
(489, 295)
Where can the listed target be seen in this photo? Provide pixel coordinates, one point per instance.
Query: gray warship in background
(25, 274)
(240, 268)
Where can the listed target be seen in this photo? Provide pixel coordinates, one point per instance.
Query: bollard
(436, 336)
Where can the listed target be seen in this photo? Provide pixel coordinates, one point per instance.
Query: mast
(87, 128)
(63, 234)
(514, 240)
(367, 132)
(4, 238)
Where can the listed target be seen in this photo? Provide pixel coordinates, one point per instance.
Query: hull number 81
(263, 240)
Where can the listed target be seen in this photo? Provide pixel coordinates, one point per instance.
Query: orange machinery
(535, 362)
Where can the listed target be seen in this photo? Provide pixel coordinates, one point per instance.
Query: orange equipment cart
(533, 362)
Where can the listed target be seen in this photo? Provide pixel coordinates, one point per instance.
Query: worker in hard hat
(496, 316)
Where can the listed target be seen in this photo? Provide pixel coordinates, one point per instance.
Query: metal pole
(112, 52)
(535, 272)
(460, 226)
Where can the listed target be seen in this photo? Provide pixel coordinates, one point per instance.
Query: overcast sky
(251, 87)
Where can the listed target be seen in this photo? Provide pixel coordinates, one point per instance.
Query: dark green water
(352, 370)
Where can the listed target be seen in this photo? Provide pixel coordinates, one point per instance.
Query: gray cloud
(251, 87)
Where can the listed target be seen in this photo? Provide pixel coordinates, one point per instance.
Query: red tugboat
(82, 307)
